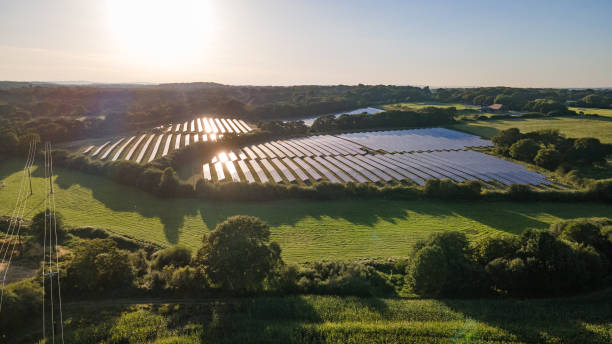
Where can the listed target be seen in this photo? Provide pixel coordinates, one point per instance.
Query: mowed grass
(306, 230)
(420, 105)
(570, 126)
(332, 319)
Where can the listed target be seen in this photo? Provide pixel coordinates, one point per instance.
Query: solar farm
(150, 146)
(399, 156)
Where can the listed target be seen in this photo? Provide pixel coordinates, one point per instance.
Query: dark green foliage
(38, 226)
(177, 256)
(524, 149)
(447, 189)
(428, 271)
(168, 183)
(506, 138)
(238, 255)
(488, 247)
(8, 142)
(188, 280)
(546, 106)
(20, 301)
(548, 157)
(427, 117)
(589, 150)
(98, 266)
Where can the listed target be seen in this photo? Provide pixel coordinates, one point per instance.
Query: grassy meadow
(600, 128)
(306, 230)
(332, 319)
(420, 105)
(600, 112)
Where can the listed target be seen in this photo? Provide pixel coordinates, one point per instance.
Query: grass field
(331, 319)
(420, 105)
(601, 112)
(306, 230)
(600, 128)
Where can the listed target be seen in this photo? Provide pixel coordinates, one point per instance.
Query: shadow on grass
(563, 320)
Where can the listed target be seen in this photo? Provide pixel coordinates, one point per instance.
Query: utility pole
(30, 178)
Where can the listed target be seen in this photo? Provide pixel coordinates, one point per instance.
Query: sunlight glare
(160, 32)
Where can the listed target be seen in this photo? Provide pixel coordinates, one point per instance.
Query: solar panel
(232, 156)
(284, 170)
(185, 126)
(370, 160)
(246, 171)
(402, 171)
(110, 149)
(100, 149)
(380, 174)
(220, 126)
(427, 168)
(178, 127)
(451, 173)
(204, 137)
(144, 148)
(206, 172)
(330, 176)
(219, 170)
(213, 137)
(187, 136)
(397, 162)
(258, 151)
(207, 127)
(356, 176)
(274, 150)
(199, 122)
(463, 167)
(308, 169)
(234, 127)
(334, 169)
(266, 151)
(271, 171)
(259, 171)
(249, 152)
(227, 126)
(120, 150)
(213, 126)
(458, 170)
(298, 171)
(310, 151)
(240, 126)
(167, 145)
(196, 138)
(192, 125)
(296, 149)
(177, 142)
(245, 125)
(134, 147)
(88, 149)
(283, 149)
(232, 170)
(356, 167)
(156, 147)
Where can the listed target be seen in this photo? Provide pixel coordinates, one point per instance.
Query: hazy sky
(284, 42)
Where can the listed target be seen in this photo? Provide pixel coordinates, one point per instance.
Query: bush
(38, 226)
(177, 256)
(549, 158)
(487, 248)
(428, 271)
(21, 301)
(506, 138)
(524, 149)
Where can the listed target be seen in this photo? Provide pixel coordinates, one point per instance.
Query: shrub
(177, 256)
(506, 138)
(38, 226)
(169, 183)
(21, 301)
(488, 247)
(524, 149)
(548, 157)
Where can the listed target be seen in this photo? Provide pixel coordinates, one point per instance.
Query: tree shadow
(566, 320)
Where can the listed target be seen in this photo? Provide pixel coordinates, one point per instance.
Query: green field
(420, 105)
(306, 230)
(600, 128)
(331, 319)
(600, 112)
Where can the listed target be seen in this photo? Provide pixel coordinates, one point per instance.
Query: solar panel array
(175, 136)
(415, 140)
(338, 159)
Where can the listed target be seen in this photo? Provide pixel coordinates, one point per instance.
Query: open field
(332, 319)
(306, 230)
(600, 112)
(420, 105)
(600, 128)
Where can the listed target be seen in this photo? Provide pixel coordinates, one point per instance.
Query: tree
(8, 142)
(169, 182)
(177, 256)
(238, 255)
(98, 266)
(548, 157)
(506, 138)
(428, 270)
(38, 227)
(524, 149)
(589, 150)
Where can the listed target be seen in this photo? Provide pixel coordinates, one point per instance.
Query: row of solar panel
(210, 125)
(458, 166)
(323, 145)
(414, 140)
(147, 146)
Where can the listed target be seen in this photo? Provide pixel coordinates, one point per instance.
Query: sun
(160, 32)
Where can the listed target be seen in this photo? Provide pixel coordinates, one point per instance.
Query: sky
(295, 42)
